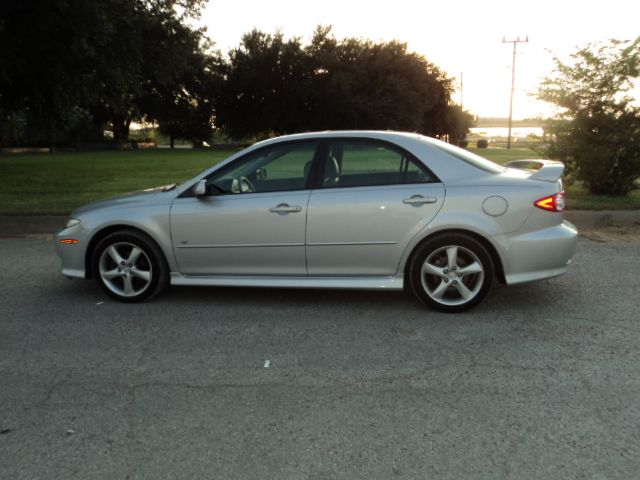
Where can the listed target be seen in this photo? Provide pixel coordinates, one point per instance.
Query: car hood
(124, 200)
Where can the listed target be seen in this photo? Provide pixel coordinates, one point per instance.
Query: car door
(373, 199)
(251, 220)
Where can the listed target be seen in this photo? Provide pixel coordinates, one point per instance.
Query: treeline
(74, 69)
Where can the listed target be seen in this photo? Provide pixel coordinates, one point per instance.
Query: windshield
(472, 158)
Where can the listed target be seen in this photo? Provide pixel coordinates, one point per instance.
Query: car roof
(389, 135)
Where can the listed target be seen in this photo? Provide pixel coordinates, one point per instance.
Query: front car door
(252, 219)
(373, 199)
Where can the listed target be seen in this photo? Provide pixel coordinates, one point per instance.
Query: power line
(513, 79)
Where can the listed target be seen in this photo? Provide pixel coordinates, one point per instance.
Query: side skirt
(353, 283)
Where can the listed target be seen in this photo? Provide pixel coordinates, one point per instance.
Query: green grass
(578, 198)
(58, 183)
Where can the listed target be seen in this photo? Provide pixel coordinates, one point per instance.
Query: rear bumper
(540, 254)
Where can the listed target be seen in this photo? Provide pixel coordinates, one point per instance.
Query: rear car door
(252, 219)
(372, 199)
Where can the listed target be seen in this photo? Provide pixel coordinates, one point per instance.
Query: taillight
(551, 203)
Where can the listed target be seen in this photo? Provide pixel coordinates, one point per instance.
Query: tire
(129, 266)
(451, 272)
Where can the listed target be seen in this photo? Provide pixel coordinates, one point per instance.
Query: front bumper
(539, 254)
(72, 256)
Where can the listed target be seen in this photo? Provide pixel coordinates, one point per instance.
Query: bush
(597, 130)
(463, 143)
(602, 150)
(482, 143)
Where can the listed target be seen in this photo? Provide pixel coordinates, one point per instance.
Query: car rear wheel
(451, 272)
(129, 266)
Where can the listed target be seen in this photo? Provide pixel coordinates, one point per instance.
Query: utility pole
(461, 86)
(513, 79)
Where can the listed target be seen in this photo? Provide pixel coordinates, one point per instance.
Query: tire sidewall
(430, 245)
(158, 264)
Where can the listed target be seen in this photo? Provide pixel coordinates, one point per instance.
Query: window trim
(314, 181)
(385, 143)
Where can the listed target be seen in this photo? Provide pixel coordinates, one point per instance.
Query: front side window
(271, 169)
(362, 163)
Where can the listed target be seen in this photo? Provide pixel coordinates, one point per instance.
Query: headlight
(71, 222)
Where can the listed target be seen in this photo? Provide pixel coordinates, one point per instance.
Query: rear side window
(471, 158)
(357, 163)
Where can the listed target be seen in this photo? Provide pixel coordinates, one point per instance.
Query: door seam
(306, 220)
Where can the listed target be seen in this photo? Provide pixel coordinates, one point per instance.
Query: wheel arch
(493, 252)
(106, 231)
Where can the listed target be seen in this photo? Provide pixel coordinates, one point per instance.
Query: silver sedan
(348, 209)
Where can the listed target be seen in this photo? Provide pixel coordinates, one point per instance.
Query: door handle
(419, 200)
(285, 208)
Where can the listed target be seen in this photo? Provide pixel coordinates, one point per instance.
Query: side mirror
(200, 188)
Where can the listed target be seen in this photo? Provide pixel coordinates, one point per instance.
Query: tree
(43, 76)
(364, 85)
(68, 59)
(458, 122)
(597, 128)
(188, 113)
(278, 86)
(266, 80)
(147, 62)
(183, 78)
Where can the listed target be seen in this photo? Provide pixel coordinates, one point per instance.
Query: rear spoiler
(545, 170)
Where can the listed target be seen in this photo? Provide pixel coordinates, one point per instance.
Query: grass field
(58, 183)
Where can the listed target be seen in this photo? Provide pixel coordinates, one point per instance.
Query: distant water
(518, 132)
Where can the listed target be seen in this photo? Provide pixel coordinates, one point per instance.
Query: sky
(463, 38)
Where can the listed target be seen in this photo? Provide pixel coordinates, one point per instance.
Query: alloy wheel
(125, 269)
(452, 275)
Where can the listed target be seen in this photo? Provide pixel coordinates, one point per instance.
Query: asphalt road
(542, 381)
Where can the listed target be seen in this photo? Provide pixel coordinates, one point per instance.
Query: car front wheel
(129, 266)
(451, 272)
